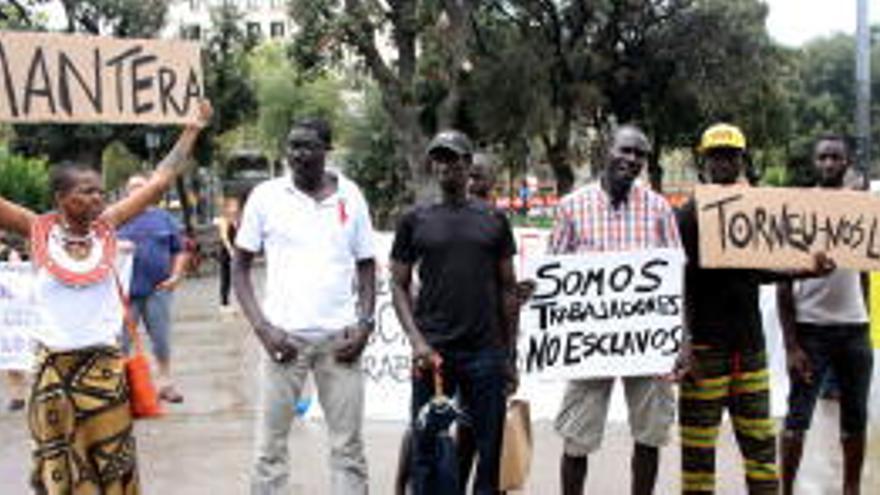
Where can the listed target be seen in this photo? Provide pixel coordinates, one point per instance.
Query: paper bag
(516, 448)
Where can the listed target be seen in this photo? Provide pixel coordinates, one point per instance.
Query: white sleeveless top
(835, 299)
(78, 317)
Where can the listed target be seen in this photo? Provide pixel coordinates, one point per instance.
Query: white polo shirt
(311, 252)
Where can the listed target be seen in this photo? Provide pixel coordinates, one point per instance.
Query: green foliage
(823, 91)
(776, 176)
(227, 77)
(24, 181)
(283, 96)
(21, 14)
(227, 74)
(119, 18)
(119, 165)
(373, 161)
(559, 70)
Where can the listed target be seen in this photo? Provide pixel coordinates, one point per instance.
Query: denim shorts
(845, 350)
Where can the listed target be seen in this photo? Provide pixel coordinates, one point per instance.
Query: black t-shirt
(458, 249)
(722, 304)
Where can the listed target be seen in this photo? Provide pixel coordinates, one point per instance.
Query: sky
(793, 22)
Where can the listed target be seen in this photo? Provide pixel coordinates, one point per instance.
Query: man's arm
(511, 296)
(16, 218)
(798, 361)
(356, 338)
(510, 303)
(178, 271)
(366, 287)
(687, 235)
(822, 266)
(174, 164)
(401, 296)
(223, 233)
(280, 345)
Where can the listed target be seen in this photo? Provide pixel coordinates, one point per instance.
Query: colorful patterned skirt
(81, 424)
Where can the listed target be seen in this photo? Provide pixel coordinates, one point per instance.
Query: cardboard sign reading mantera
(781, 228)
(50, 77)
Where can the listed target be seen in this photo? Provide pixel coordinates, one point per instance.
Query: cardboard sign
(744, 227)
(51, 77)
(615, 314)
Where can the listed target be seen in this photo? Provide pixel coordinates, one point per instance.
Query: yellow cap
(722, 136)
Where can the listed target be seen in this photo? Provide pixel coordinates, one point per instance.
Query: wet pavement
(204, 446)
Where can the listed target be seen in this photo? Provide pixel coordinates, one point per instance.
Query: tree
(738, 76)
(120, 164)
(283, 95)
(333, 30)
(372, 161)
(227, 74)
(562, 70)
(825, 99)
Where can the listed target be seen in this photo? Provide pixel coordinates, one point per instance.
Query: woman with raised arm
(78, 412)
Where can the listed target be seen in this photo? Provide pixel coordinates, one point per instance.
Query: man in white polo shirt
(317, 314)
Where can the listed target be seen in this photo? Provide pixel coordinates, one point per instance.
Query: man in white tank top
(825, 323)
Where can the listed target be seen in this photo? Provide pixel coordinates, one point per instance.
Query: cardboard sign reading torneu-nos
(746, 227)
(51, 77)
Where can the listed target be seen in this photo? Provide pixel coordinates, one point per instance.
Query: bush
(24, 181)
(776, 176)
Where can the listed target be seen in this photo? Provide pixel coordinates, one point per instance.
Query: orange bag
(143, 398)
(142, 393)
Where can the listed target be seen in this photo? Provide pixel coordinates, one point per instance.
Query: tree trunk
(422, 185)
(655, 170)
(557, 155)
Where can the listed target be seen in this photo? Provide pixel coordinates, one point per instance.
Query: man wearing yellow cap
(723, 361)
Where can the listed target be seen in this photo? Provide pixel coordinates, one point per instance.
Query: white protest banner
(608, 314)
(386, 360)
(751, 227)
(19, 317)
(53, 77)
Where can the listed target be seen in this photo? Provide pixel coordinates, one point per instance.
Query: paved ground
(204, 445)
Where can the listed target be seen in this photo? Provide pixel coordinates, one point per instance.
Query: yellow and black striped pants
(738, 381)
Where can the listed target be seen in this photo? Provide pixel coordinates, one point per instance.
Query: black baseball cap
(455, 141)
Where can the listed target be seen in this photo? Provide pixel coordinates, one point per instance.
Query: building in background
(264, 19)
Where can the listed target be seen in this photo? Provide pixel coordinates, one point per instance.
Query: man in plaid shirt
(615, 214)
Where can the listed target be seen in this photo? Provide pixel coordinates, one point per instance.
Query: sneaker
(169, 394)
(16, 405)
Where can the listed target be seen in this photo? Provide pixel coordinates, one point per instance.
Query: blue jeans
(477, 380)
(155, 311)
(846, 351)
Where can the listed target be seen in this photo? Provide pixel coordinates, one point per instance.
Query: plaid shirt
(586, 221)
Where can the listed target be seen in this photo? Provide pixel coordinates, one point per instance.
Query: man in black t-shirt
(464, 320)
